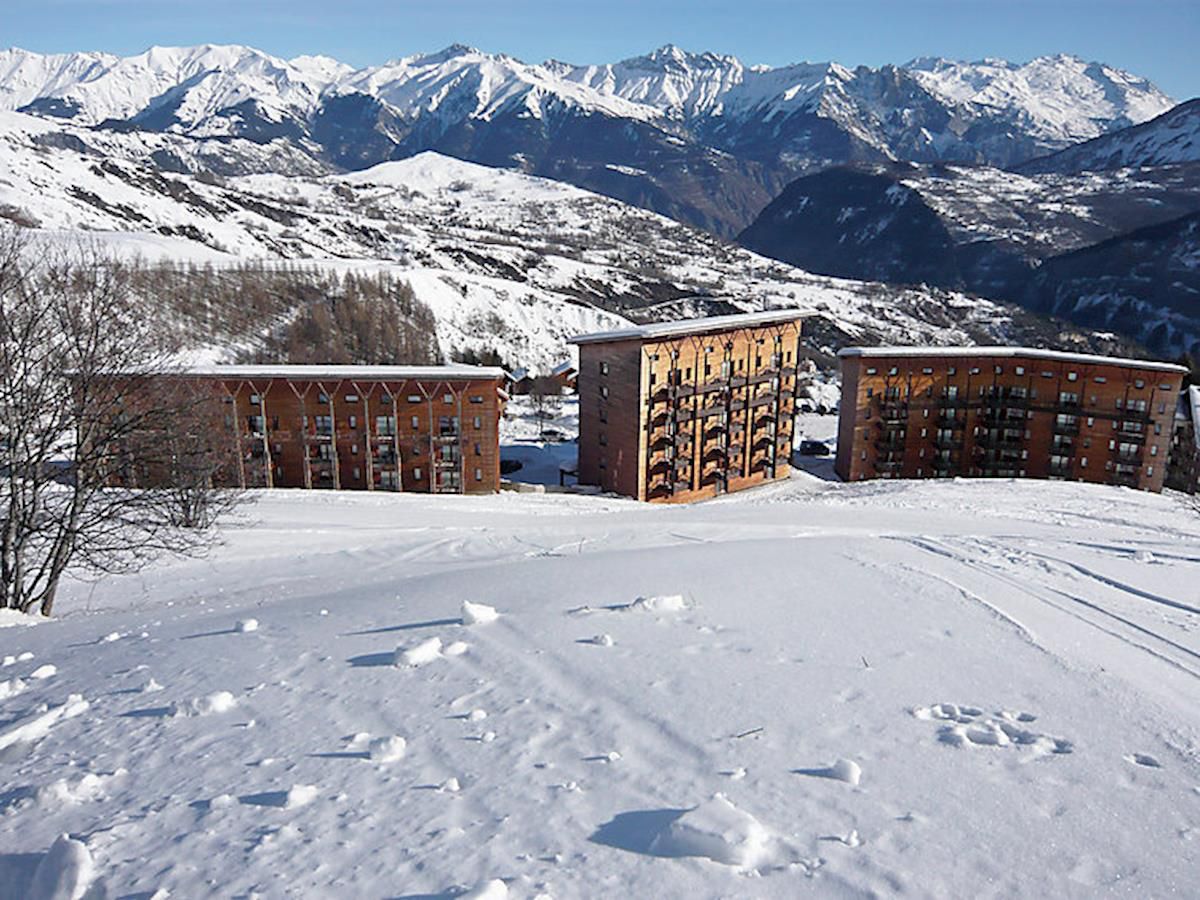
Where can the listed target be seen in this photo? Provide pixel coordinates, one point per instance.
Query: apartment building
(1183, 473)
(922, 412)
(430, 429)
(679, 411)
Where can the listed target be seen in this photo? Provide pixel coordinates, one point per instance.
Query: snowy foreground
(939, 689)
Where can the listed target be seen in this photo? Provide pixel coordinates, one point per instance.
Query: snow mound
(420, 654)
(719, 831)
(10, 618)
(11, 687)
(300, 795)
(387, 749)
(92, 786)
(456, 648)
(216, 702)
(478, 613)
(65, 872)
(846, 770)
(490, 890)
(39, 726)
(43, 672)
(245, 626)
(668, 603)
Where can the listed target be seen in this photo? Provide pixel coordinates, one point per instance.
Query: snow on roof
(701, 325)
(350, 373)
(563, 368)
(1031, 352)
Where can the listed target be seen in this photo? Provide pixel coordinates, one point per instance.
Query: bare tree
(90, 439)
(545, 396)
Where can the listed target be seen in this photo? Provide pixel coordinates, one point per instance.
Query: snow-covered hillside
(928, 688)
(702, 137)
(506, 261)
(1169, 139)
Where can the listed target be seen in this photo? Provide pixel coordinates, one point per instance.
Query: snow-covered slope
(926, 688)
(1169, 139)
(508, 262)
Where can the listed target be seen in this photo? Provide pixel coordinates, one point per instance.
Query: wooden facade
(1005, 412)
(429, 429)
(681, 411)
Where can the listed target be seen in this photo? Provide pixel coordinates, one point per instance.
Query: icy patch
(65, 872)
(478, 613)
(43, 672)
(719, 831)
(211, 704)
(668, 603)
(245, 626)
(967, 726)
(111, 637)
(39, 726)
(11, 687)
(387, 749)
(456, 648)
(419, 655)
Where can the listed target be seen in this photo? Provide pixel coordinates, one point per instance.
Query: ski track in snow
(765, 695)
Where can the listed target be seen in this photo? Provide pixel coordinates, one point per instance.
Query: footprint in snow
(1144, 759)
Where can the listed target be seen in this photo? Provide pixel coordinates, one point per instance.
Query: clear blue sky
(1158, 39)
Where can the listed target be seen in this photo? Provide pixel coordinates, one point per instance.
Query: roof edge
(1010, 352)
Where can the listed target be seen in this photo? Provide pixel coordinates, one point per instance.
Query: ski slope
(959, 688)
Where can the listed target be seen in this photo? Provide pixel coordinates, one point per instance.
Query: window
(323, 398)
(951, 370)
(417, 474)
(603, 368)
(416, 422)
(354, 452)
(357, 475)
(603, 439)
(1139, 384)
(1020, 370)
(476, 398)
(353, 421)
(478, 450)
(927, 371)
(999, 370)
(1083, 462)
(477, 422)
(1154, 449)
(414, 398)
(602, 413)
(385, 425)
(1100, 379)
(1072, 376)
(447, 398)
(604, 390)
(479, 474)
(255, 400)
(872, 371)
(352, 398)
(975, 370)
(386, 399)
(894, 371)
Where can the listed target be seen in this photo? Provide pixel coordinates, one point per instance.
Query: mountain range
(1102, 233)
(1062, 186)
(701, 137)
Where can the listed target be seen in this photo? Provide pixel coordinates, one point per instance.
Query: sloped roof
(349, 373)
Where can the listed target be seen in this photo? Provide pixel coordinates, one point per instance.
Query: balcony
(1131, 431)
(1000, 441)
(890, 444)
(893, 412)
(889, 465)
(1128, 457)
(1070, 426)
(948, 442)
(951, 422)
(1128, 479)
(942, 464)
